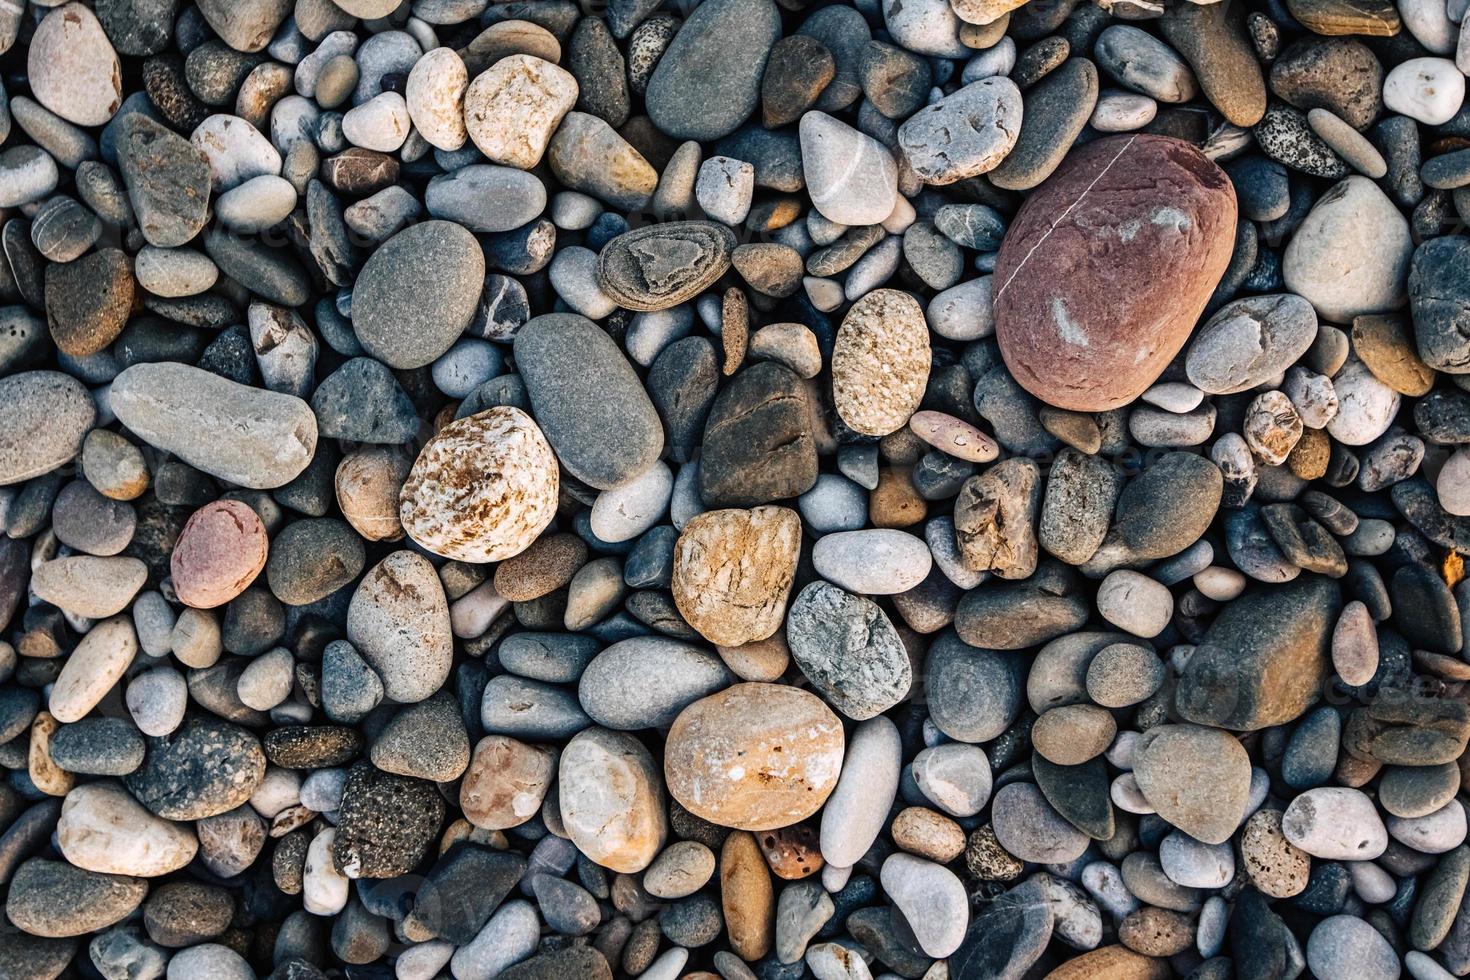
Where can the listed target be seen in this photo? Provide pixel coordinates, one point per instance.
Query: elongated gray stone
(249, 436)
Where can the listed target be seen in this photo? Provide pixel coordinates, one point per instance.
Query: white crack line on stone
(1062, 217)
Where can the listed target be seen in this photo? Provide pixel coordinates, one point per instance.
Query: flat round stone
(662, 265)
(417, 293)
(754, 757)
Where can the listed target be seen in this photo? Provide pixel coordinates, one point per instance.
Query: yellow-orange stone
(733, 571)
(754, 756)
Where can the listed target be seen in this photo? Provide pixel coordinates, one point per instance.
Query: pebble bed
(927, 489)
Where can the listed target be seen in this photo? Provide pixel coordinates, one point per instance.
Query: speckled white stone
(483, 489)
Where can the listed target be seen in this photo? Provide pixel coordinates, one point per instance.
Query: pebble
(410, 327)
(72, 67)
(220, 551)
(848, 648)
(103, 829)
(1368, 238)
(733, 571)
(1117, 354)
(1250, 341)
(1429, 90)
(1345, 942)
(1196, 778)
(50, 414)
(174, 407)
(570, 407)
(483, 488)
(1335, 823)
(398, 620)
(932, 900)
(989, 109)
(872, 562)
(753, 769)
(611, 799)
(1135, 602)
(851, 177)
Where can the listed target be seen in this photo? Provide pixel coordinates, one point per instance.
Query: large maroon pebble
(1108, 265)
(220, 551)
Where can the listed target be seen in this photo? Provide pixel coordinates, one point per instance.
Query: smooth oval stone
(847, 647)
(611, 799)
(880, 362)
(857, 810)
(485, 198)
(398, 619)
(1335, 823)
(91, 670)
(102, 828)
(974, 694)
(72, 67)
(1028, 828)
(1350, 255)
(931, 898)
(1143, 63)
(660, 266)
(578, 380)
(1367, 406)
(1057, 108)
(1343, 945)
(754, 757)
(646, 681)
(181, 409)
(219, 552)
(1196, 778)
(1430, 90)
(56, 900)
(417, 293)
(708, 81)
(1081, 325)
(47, 415)
(879, 561)
(1250, 341)
(482, 489)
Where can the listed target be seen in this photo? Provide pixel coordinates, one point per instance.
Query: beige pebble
(512, 108)
(93, 669)
(482, 489)
(733, 571)
(506, 782)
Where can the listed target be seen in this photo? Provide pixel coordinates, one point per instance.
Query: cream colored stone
(73, 69)
(513, 107)
(46, 775)
(85, 585)
(733, 571)
(94, 667)
(880, 362)
(103, 828)
(483, 489)
(435, 94)
(611, 798)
